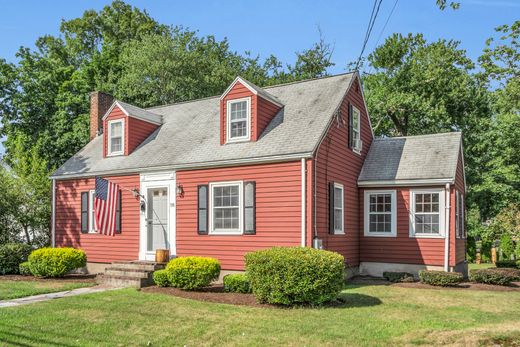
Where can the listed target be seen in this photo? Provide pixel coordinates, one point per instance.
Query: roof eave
(406, 182)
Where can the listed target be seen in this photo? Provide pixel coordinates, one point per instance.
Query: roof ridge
(268, 87)
(447, 133)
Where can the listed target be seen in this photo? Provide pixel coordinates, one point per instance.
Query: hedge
(237, 283)
(11, 256)
(24, 269)
(440, 278)
(191, 273)
(56, 262)
(295, 275)
(513, 264)
(160, 277)
(398, 276)
(502, 277)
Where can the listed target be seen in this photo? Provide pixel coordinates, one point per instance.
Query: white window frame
(463, 221)
(240, 230)
(442, 213)
(109, 145)
(356, 145)
(457, 214)
(91, 217)
(342, 230)
(393, 199)
(230, 139)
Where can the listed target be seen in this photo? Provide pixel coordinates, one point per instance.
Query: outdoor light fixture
(180, 190)
(135, 192)
(143, 206)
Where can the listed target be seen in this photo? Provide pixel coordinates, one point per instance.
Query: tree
(421, 88)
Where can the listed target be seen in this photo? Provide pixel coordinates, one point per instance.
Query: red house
(290, 165)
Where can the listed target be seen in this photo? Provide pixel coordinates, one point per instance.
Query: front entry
(157, 229)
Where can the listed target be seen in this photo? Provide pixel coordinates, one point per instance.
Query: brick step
(124, 281)
(139, 265)
(116, 271)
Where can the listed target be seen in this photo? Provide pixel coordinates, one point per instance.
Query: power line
(371, 23)
(384, 27)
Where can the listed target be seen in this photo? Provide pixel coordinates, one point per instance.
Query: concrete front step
(135, 274)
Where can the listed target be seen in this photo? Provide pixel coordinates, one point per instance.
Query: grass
(17, 289)
(372, 316)
(473, 266)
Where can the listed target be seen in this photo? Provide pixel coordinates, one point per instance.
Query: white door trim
(157, 180)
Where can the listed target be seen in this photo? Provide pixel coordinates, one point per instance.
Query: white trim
(342, 230)
(240, 229)
(230, 139)
(365, 104)
(251, 89)
(463, 221)
(158, 180)
(304, 201)
(53, 215)
(441, 213)
(116, 103)
(109, 137)
(366, 229)
(447, 196)
(402, 183)
(357, 148)
(91, 218)
(457, 214)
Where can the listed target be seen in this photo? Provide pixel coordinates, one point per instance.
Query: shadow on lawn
(348, 300)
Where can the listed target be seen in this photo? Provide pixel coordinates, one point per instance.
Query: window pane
(116, 129)
(116, 144)
(226, 207)
(338, 197)
(238, 129)
(338, 220)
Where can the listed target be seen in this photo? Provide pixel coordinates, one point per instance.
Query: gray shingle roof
(260, 91)
(426, 157)
(190, 134)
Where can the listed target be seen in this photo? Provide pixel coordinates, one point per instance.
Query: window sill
(337, 232)
(427, 236)
(372, 234)
(224, 232)
(115, 154)
(228, 141)
(357, 151)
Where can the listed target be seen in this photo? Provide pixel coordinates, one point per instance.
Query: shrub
(56, 262)
(295, 275)
(398, 276)
(192, 272)
(237, 283)
(24, 269)
(506, 246)
(502, 277)
(440, 278)
(508, 264)
(160, 277)
(11, 256)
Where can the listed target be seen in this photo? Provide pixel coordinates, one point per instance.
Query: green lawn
(472, 266)
(373, 315)
(16, 289)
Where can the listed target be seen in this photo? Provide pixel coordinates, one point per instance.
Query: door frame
(158, 180)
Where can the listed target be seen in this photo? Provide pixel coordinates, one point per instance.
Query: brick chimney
(99, 104)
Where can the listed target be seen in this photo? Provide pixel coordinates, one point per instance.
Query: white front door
(157, 230)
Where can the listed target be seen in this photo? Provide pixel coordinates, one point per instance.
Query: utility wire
(383, 29)
(371, 22)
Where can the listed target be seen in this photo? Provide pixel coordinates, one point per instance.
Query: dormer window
(116, 139)
(238, 120)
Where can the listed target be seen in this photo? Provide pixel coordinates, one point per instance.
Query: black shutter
(118, 212)
(202, 209)
(84, 211)
(331, 207)
(350, 126)
(250, 208)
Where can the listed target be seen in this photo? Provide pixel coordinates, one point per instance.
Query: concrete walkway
(50, 296)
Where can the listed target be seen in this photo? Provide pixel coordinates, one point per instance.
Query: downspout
(304, 202)
(315, 233)
(447, 227)
(53, 214)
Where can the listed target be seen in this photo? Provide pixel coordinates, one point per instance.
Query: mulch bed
(67, 278)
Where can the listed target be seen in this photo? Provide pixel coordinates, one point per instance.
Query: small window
(238, 120)
(339, 215)
(380, 213)
(457, 214)
(226, 208)
(427, 213)
(91, 218)
(116, 140)
(356, 129)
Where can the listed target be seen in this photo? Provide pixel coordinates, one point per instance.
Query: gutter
(447, 226)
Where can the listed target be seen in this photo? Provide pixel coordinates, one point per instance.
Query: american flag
(105, 204)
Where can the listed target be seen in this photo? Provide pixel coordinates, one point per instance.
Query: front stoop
(135, 274)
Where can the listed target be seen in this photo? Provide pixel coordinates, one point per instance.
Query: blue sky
(277, 27)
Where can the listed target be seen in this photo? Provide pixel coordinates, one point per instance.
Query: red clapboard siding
(278, 212)
(458, 245)
(136, 130)
(402, 248)
(262, 111)
(335, 162)
(99, 248)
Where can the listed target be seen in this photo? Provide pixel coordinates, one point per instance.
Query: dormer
(125, 127)
(245, 111)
